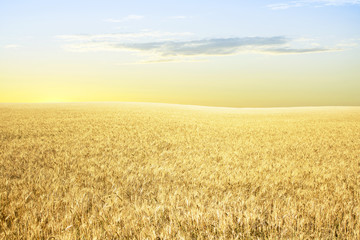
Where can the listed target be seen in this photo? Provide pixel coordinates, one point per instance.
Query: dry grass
(146, 171)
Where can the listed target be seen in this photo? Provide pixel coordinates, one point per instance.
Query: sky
(229, 53)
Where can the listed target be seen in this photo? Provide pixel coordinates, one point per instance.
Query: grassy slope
(132, 170)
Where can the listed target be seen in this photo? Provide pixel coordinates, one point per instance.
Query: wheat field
(162, 171)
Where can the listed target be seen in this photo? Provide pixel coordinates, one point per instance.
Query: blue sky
(217, 44)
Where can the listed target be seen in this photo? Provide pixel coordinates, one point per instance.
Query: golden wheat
(147, 171)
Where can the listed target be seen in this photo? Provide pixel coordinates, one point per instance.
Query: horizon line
(176, 104)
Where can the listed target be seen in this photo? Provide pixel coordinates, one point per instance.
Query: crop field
(162, 171)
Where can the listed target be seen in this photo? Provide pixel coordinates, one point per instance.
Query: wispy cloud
(349, 43)
(12, 46)
(124, 19)
(313, 3)
(153, 45)
(281, 6)
(286, 50)
(170, 60)
(121, 37)
(216, 46)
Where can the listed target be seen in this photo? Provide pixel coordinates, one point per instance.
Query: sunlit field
(161, 171)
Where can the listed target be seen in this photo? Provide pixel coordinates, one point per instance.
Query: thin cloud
(311, 3)
(218, 46)
(172, 60)
(118, 37)
(171, 50)
(349, 43)
(12, 46)
(299, 50)
(125, 19)
(282, 6)
(208, 47)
